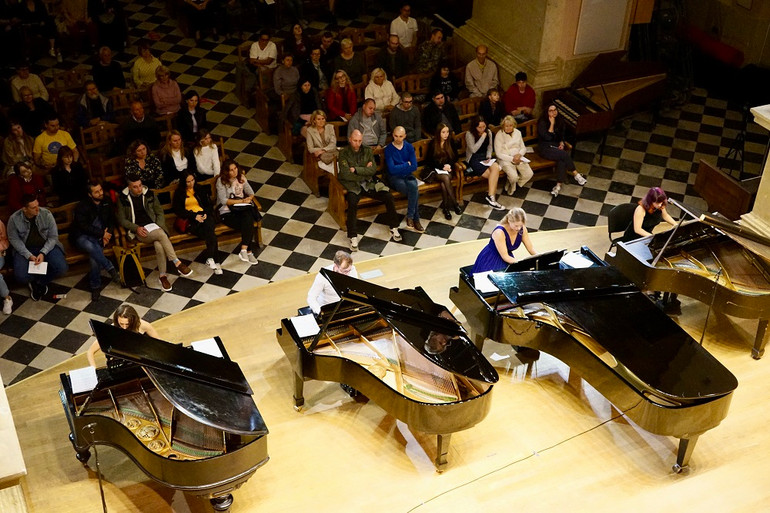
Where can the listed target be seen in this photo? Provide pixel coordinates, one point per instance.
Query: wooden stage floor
(548, 444)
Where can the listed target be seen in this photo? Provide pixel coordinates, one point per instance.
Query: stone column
(759, 218)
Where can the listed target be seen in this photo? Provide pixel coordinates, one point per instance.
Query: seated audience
(23, 78)
(192, 202)
(69, 177)
(408, 116)
(551, 145)
(520, 98)
(206, 155)
(191, 117)
(300, 106)
(401, 162)
(235, 198)
(34, 238)
(140, 126)
(440, 163)
(31, 112)
(143, 70)
(491, 108)
(48, 143)
(341, 98)
(23, 182)
(356, 175)
(481, 74)
(285, 77)
(478, 155)
(174, 159)
(94, 107)
(443, 80)
(17, 147)
(371, 125)
(509, 150)
(440, 111)
(648, 214)
(313, 70)
(143, 165)
(321, 141)
(166, 96)
(297, 44)
(4, 292)
(350, 62)
(392, 58)
(381, 90)
(91, 231)
(108, 74)
(125, 318)
(506, 238)
(430, 53)
(330, 49)
(263, 53)
(405, 27)
(141, 215)
(321, 292)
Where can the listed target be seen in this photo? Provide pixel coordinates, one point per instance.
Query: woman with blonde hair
(341, 98)
(506, 238)
(381, 90)
(321, 141)
(206, 154)
(510, 151)
(174, 159)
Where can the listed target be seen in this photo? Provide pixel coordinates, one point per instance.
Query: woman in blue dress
(506, 237)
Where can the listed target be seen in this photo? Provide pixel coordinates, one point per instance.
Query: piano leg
(442, 449)
(686, 446)
(83, 455)
(222, 503)
(760, 340)
(299, 396)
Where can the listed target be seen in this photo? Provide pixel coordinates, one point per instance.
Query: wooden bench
(368, 206)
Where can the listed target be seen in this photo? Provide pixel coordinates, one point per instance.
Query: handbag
(181, 224)
(327, 157)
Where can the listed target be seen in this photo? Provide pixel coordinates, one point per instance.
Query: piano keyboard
(570, 115)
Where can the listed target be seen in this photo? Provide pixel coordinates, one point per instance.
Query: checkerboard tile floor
(301, 236)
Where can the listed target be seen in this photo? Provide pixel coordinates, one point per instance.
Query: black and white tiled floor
(299, 233)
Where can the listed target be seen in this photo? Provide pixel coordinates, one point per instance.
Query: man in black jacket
(440, 111)
(91, 232)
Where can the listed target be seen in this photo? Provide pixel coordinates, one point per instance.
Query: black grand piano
(600, 324)
(608, 89)
(404, 352)
(711, 259)
(186, 418)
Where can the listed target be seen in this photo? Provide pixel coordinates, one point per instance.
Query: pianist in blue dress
(506, 238)
(648, 214)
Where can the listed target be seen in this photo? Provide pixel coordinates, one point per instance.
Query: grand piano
(185, 418)
(609, 88)
(404, 352)
(711, 259)
(601, 325)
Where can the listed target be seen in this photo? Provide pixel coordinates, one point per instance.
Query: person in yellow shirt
(143, 71)
(47, 144)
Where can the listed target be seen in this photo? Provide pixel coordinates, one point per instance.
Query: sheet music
(482, 283)
(208, 346)
(575, 260)
(305, 325)
(525, 160)
(152, 227)
(35, 268)
(83, 380)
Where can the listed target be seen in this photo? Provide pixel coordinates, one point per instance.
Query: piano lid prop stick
(711, 305)
(90, 427)
(154, 412)
(114, 404)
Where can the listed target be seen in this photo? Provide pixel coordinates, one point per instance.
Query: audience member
(125, 318)
(285, 77)
(520, 98)
(235, 198)
(206, 154)
(166, 96)
(392, 58)
(330, 49)
(301, 106)
(141, 126)
(192, 203)
(440, 111)
(371, 125)
(478, 155)
(405, 27)
(357, 176)
(69, 177)
(401, 163)
(297, 45)
(551, 145)
(408, 116)
(4, 292)
(141, 164)
(313, 70)
(23, 182)
(440, 163)
(141, 214)
(36, 21)
(17, 147)
(648, 214)
(111, 26)
(48, 143)
(480, 73)
(506, 238)
(491, 108)
(23, 78)
(108, 74)
(143, 71)
(341, 98)
(350, 62)
(31, 112)
(443, 80)
(510, 151)
(321, 292)
(321, 141)
(430, 53)
(79, 23)
(263, 53)
(202, 16)
(34, 238)
(173, 158)
(381, 90)
(91, 231)
(94, 107)
(191, 117)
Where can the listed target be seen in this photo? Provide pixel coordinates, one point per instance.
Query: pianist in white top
(321, 292)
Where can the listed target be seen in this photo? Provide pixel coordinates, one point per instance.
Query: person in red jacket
(519, 99)
(341, 98)
(24, 181)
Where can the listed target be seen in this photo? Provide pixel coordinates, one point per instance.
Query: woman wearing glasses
(551, 145)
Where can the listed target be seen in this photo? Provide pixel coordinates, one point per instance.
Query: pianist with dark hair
(127, 318)
(321, 292)
(506, 238)
(648, 214)
(551, 145)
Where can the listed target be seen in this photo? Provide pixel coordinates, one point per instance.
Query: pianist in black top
(127, 318)
(648, 214)
(551, 145)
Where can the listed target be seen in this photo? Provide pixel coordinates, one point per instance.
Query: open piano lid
(428, 327)
(209, 389)
(743, 235)
(610, 67)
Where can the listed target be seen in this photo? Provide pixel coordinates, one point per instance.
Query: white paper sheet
(83, 380)
(40, 268)
(151, 227)
(368, 275)
(208, 346)
(576, 261)
(497, 357)
(525, 160)
(488, 162)
(482, 283)
(305, 325)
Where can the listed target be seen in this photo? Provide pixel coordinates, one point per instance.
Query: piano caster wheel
(82, 456)
(297, 408)
(352, 392)
(678, 469)
(221, 503)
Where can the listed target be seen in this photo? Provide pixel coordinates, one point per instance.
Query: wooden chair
(121, 101)
(97, 141)
(416, 83)
(73, 80)
(112, 171)
(466, 109)
(165, 124)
